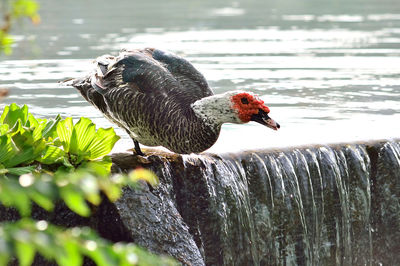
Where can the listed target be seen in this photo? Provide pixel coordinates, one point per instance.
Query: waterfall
(322, 205)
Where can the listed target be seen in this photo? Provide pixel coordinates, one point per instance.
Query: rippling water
(329, 71)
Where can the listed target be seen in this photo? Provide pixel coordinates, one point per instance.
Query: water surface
(328, 71)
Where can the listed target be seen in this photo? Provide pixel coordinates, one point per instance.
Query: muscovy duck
(160, 99)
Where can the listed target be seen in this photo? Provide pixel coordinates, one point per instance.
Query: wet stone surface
(317, 205)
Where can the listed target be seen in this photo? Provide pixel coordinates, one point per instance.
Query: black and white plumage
(160, 99)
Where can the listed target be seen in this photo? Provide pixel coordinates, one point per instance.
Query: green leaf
(13, 195)
(37, 131)
(16, 128)
(82, 135)
(22, 203)
(42, 200)
(25, 149)
(52, 155)
(7, 149)
(75, 200)
(67, 163)
(3, 171)
(23, 156)
(33, 122)
(103, 143)
(4, 129)
(102, 256)
(71, 256)
(113, 193)
(51, 128)
(64, 131)
(21, 136)
(13, 113)
(21, 170)
(25, 253)
(82, 141)
(68, 246)
(89, 186)
(4, 114)
(45, 243)
(99, 168)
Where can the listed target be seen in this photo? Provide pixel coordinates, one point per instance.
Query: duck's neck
(194, 130)
(215, 110)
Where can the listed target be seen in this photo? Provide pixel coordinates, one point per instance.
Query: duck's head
(237, 107)
(249, 107)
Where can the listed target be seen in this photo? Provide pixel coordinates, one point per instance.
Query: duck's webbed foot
(137, 148)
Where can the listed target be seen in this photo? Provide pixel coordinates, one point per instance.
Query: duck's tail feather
(85, 87)
(81, 84)
(67, 82)
(75, 82)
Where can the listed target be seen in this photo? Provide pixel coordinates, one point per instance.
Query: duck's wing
(133, 70)
(184, 72)
(151, 70)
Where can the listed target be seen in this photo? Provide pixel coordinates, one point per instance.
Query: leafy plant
(30, 148)
(25, 237)
(75, 188)
(25, 139)
(46, 161)
(82, 142)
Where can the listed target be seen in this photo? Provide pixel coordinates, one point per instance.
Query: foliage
(83, 142)
(68, 246)
(25, 140)
(76, 188)
(45, 161)
(13, 10)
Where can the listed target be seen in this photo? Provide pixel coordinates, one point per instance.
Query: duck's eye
(244, 100)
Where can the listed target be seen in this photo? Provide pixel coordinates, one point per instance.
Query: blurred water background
(329, 70)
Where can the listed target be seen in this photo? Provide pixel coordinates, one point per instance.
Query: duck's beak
(263, 118)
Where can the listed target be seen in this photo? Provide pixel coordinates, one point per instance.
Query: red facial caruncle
(247, 105)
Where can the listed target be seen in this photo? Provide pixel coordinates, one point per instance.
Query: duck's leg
(137, 148)
(138, 151)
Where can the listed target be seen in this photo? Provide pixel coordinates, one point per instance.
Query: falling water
(321, 205)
